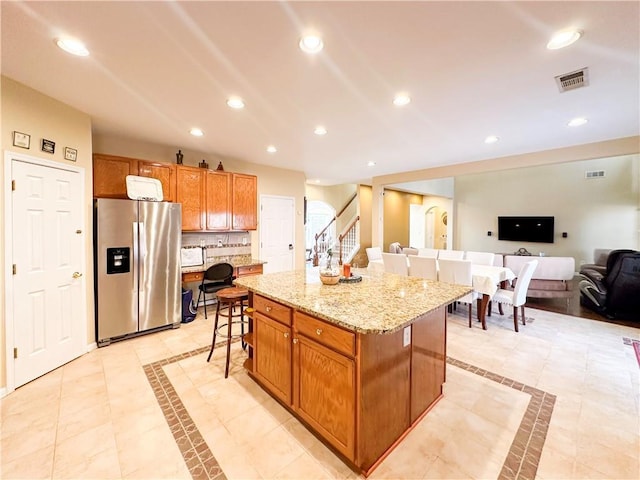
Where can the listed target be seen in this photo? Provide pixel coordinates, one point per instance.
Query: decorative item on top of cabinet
(179, 157)
(203, 164)
(220, 167)
(190, 193)
(244, 202)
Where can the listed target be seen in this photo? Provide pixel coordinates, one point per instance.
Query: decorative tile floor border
(521, 462)
(524, 455)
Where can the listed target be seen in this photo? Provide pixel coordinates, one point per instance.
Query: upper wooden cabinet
(190, 193)
(165, 172)
(110, 173)
(218, 200)
(245, 202)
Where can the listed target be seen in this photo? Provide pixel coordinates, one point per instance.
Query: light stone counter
(380, 303)
(233, 260)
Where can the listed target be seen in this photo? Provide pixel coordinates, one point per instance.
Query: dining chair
(410, 251)
(395, 247)
(374, 253)
(395, 263)
(216, 277)
(518, 296)
(428, 252)
(480, 258)
(459, 272)
(451, 254)
(423, 267)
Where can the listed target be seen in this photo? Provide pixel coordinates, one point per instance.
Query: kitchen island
(359, 363)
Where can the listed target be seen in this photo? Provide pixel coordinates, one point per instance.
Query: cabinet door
(272, 356)
(218, 204)
(245, 202)
(110, 174)
(324, 393)
(190, 193)
(165, 172)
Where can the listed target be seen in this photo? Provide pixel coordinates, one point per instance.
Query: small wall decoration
(48, 146)
(70, 154)
(21, 140)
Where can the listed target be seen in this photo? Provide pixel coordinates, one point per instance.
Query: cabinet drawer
(272, 309)
(322, 332)
(192, 277)
(249, 270)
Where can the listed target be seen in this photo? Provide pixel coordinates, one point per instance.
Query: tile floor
(558, 400)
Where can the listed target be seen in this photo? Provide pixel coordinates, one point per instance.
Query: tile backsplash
(219, 244)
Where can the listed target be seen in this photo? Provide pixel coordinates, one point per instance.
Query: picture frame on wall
(70, 154)
(21, 140)
(48, 146)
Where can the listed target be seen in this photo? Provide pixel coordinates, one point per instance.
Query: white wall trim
(9, 157)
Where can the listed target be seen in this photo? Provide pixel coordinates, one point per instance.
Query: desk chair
(216, 277)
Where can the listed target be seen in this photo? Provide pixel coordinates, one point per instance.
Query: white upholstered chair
(395, 247)
(395, 263)
(410, 251)
(423, 267)
(374, 253)
(450, 254)
(518, 296)
(480, 258)
(428, 252)
(459, 272)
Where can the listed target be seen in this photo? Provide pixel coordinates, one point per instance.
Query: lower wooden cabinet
(272, 356)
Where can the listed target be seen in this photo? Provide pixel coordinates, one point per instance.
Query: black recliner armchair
(616, 292)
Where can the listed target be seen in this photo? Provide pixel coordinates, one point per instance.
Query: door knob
(76, 275)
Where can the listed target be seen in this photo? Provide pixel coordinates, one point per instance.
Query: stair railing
(348, 239)
(321, 243)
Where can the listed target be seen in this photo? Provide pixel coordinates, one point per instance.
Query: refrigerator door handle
(136, 252)
(142, 253)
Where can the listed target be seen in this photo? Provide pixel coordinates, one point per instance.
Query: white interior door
(430, 227)
(277, 233)
(48, 286)
(416, 226)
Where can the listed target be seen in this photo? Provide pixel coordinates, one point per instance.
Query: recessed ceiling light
(563, 38)
(271, 149)
(311, 44)
(491, 139)
(320, 130)
(576, 122)
(196, 132)
(371, 164)
(235, 102)
(401, 100)
(72, 46)
(317, 181)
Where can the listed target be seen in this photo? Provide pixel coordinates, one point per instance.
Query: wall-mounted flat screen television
(526, 229)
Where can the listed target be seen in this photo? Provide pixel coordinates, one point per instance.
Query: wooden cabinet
(218, 200)
(110, 173)
(244, 270)
(324, 392)
(165, 172)
(244, 202)
(190, 193)
(272, 359)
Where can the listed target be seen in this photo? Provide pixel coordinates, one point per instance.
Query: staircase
(347, 244)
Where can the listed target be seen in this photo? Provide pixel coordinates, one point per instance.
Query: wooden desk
(239, 271)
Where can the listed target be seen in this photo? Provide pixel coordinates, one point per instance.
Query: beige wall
(28, 111)
(591, 151)
(396, 215)
(595, 213)
(337, 196)
(271, 181)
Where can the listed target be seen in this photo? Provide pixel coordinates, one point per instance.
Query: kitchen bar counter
(360, 364)
(380, 303)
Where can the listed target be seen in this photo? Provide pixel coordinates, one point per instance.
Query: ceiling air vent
(594, 174)
(573, 80)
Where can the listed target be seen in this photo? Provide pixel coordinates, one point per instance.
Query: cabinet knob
(286, 334)
(318, 331)
(268, 308)
(295, 340)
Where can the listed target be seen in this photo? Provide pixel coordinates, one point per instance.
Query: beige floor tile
(39, 434)
(304, 467)
(283, 450)
(74, 423)
(158, 450)
(442, 470)
(36, 465)
(239, 467)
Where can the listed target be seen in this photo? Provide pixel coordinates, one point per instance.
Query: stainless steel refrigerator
(137, 267)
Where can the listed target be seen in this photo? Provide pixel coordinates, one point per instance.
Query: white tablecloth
(487, 278)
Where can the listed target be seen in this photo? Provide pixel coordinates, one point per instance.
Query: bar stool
(229, 298)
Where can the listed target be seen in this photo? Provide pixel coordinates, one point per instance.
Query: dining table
(486, 279)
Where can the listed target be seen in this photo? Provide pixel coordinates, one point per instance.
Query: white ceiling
(472, 69)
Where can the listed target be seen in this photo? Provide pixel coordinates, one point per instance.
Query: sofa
(552, 278)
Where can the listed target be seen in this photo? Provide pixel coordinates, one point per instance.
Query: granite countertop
(235, 261)
(380, 303)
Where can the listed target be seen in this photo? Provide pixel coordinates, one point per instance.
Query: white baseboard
(3, 392)
(91, 347)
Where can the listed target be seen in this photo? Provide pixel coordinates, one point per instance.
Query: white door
(49, 326)
(430, 227)
(277, 233)
(416, 226)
